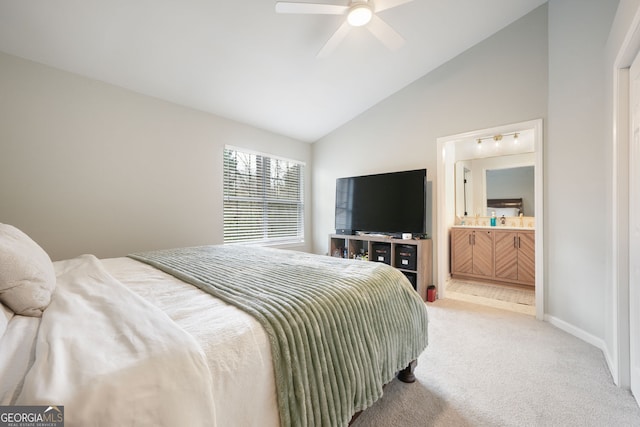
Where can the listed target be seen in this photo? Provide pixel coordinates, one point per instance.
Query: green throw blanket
(339, 329)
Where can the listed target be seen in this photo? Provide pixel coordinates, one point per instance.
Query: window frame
(263, 199)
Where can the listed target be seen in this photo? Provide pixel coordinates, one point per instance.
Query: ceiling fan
(358, 13)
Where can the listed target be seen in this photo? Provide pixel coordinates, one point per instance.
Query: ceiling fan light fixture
(359, 15)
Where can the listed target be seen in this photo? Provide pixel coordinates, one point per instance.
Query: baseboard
(589, 338)
(612, 365)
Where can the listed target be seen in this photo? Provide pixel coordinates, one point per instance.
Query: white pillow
(5, 316)
(27, 277)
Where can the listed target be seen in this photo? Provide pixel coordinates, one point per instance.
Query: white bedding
(165, 354)
(237, 348)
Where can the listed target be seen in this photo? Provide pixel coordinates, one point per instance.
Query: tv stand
(377, 234)
(412, 257)
(386, 235)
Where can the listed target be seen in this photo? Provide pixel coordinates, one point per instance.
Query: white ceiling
(240, 60)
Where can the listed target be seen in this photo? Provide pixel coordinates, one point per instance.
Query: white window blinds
(263, 198)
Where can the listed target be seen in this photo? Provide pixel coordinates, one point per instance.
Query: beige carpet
(491, 367)
(486, 290)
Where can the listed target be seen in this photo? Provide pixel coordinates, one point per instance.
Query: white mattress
(116, 331)
(237, 348)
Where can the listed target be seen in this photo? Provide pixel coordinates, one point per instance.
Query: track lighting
(498, 137)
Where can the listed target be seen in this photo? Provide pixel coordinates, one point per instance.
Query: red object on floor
(432, 293)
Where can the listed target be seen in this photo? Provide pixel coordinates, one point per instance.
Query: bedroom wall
(86, 167)
(535, 68)
(501, 80)
(575, 173)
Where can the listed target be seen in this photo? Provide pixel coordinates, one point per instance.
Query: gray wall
(86, 167)
(542, 66)
(575, 172)
(501, 80)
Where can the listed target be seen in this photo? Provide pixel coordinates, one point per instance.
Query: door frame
(445, 196)
(620, 362)
(634, 239)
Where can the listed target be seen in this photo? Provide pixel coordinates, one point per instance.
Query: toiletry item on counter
(493, 219)
(503, 220)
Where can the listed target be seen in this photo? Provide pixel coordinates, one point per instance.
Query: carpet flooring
(490, 367)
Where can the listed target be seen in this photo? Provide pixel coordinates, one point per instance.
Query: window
(263, 198)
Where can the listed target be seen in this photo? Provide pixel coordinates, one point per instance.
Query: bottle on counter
(493, 219)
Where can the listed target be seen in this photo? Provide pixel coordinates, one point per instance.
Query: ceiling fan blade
(310, 8)
(335, 40)
(387, 35)
(388, 4)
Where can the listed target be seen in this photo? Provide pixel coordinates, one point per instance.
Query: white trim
(578, 333)
(263, 154)
(616, 363)
(539, 215)
(619, 360)
(608, 358)
(633, 238)
(257, 232)
(446, 212)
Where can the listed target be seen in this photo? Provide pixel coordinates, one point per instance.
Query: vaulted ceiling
(241, 60)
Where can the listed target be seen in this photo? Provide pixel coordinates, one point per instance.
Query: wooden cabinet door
(461, 251)
(506, 255)
(483, 252)
(527, 258)
(515, 256)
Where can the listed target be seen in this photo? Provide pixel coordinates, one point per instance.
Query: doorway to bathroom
(467, 201)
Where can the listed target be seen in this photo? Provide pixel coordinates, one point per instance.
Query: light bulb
(359, 15)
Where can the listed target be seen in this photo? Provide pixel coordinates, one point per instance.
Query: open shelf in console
(412, 257)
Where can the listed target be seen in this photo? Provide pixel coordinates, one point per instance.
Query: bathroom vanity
(497, 254)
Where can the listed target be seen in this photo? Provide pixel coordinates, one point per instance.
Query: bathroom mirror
(509, 184)
(499, 177)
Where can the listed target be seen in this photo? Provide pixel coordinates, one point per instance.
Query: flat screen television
(388, 203)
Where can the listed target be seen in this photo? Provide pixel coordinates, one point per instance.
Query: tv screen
(390, 203)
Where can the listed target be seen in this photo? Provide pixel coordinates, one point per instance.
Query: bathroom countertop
(497, 227)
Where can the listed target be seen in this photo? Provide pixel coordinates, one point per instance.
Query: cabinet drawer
(405, 257)
(381, 253)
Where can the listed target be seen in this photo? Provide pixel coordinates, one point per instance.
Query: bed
(505, 207)
(142, 340)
